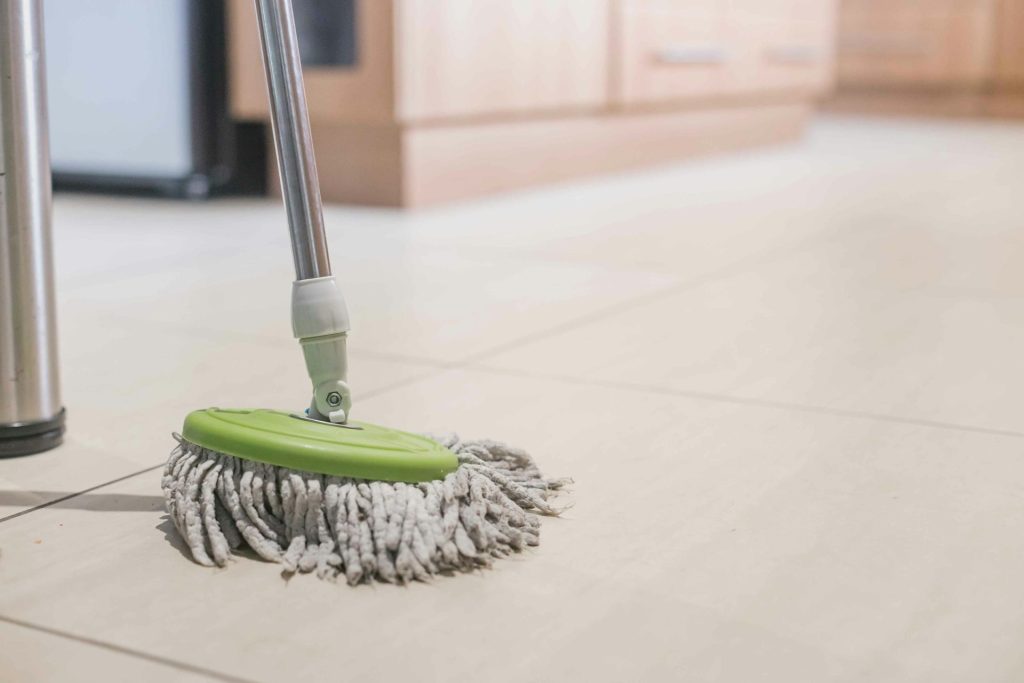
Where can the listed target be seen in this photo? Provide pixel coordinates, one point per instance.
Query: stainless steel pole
(294, 142)
(31, 414)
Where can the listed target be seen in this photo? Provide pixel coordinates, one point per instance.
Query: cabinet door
(360, 93)
(694, 49)
(465, 58)
(791, 43)
(916, 42)
(1010, 37)
(670, 50)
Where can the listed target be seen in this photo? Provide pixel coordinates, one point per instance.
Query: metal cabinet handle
(692, 55)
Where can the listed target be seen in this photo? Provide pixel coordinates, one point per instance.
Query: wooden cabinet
(363, 93)
(931, 57)
(670, 50)
(793, 42)
(440, 59)
(454, 98)
(918, 43)
(469, 58)
(673, 49)
(1010, 44)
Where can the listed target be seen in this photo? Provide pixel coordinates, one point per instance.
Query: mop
(316, 491)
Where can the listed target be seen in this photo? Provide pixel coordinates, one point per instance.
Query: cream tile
(916, 319)
(704, 216)
(80, 463)
(31, 655)
(405, 300)
(107, 238)
(98, 239)
(690, 219)
(706, 539)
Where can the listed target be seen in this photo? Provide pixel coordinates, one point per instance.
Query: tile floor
(788, 384)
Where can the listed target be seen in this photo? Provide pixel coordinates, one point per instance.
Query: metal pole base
(31, 413)
(32, 437)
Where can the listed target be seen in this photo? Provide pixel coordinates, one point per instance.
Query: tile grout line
(750, 401)
(181, 666)
(69, 496)
(735, 268)
(275, 343)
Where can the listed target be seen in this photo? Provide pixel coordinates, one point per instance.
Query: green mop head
(364, 501)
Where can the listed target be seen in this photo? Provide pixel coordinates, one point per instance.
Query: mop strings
(365, 530)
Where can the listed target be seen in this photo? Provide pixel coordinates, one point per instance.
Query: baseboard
(940, 103)
(423, 165)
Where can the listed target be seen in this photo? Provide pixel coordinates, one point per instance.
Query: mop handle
(292, 138)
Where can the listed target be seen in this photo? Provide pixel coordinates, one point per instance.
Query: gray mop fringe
(366, 530)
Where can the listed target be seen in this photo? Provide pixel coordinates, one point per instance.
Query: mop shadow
(93, 502)
(173, 538)
(102, 502)
(171, 535)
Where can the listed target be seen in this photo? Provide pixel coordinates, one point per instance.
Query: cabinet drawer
(1010, 37)
(916, 42)
(672, 50)
(461, 58)
(791, 43)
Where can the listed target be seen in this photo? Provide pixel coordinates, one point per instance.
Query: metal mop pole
(31, 414)
(293, 138)
(319, 315)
